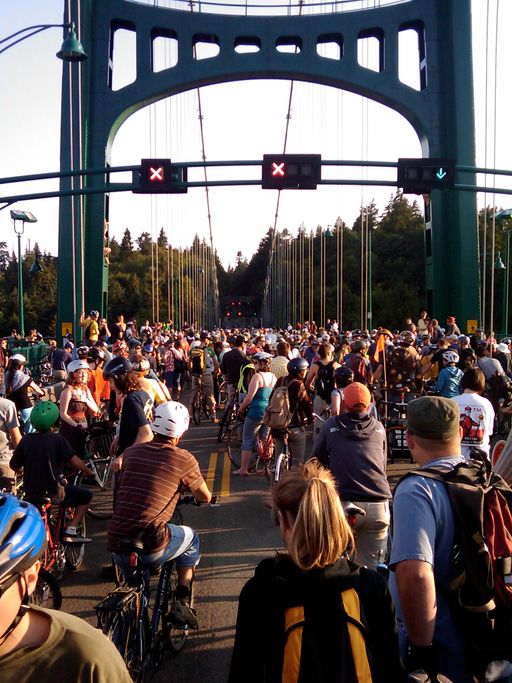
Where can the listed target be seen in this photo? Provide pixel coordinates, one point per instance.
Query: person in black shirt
(135, 407)
(43, 456)
(232, 362)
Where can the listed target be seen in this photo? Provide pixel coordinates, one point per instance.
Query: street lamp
(17, 218)
(505, 215)
(70, 51)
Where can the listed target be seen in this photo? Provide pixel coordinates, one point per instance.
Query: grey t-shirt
(8, 420)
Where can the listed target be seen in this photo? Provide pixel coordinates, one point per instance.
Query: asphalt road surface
(235, 536)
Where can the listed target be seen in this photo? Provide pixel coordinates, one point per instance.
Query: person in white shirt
(476, 413)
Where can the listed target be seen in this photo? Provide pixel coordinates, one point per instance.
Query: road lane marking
(212, 466)
(226, 474)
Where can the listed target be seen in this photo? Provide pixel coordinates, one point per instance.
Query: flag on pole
(381, 344)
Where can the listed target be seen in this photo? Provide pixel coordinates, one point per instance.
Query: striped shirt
(151, 475)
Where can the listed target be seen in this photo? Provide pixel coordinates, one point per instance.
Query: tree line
(152, 279)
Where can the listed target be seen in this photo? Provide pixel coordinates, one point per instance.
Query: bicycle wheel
(234, 448)
(197, 407)
(175, 637)
(225, 421)
(223, 394)
(118, 621)
(47, 592)
(101, 504)
(74, 552)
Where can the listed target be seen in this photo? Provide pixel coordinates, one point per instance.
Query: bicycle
(283, 461)
(263, 458)
(124, 614)
(98, 458)
(223, 393)
(198, 401)
(229, 419)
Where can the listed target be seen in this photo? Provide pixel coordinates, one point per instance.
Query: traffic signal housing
(421, 176)
(159, 176)
(291, 171)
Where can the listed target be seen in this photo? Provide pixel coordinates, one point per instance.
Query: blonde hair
(320, 534)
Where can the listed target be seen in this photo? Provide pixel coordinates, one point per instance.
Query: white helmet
(78, 365)
(20, 357)
(171, 419)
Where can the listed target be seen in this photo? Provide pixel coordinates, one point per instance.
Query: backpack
(325, 381)
(480, 594)
(356, 363)
(246, 373)
(87, 331)
(197, 360)
(499, 387)
(278, 414)
(300, 646)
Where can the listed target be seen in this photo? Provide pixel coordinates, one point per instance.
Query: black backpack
(325, 381)
(480, 593)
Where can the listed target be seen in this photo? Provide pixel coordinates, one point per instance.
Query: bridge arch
(440, 111)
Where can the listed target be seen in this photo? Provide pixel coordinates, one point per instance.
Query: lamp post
(21, 217)
(71, 51)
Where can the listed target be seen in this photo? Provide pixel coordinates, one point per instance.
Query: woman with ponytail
(311, 614)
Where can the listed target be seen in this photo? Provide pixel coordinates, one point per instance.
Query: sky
(242, 121)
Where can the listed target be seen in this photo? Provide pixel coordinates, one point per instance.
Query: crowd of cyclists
(339, 386)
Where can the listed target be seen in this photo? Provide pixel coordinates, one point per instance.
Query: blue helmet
(22, 535)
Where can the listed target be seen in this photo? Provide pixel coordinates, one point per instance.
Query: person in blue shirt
(422, 545)
(448, 382)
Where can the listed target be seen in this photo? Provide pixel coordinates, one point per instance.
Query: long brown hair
(320, 534)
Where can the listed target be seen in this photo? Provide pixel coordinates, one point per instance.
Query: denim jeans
(184, 547)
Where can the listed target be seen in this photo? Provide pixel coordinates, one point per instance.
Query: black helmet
(82, 352)
(117, 366)
(96, 354)
(343, 375)
(296, 366)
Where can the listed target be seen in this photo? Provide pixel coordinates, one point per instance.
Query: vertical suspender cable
(484, 236)
(493, 233)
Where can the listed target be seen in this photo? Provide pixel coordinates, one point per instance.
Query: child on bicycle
(43, 456)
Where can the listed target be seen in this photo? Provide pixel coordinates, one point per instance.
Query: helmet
(77, 365)
(262, 356)
(94, 314)
(96, 354)
(148, 348)
(22, 535)
(19, 357)
(450, 357)
(343, 375)
(406, 338)
(69, 345)
(117, 366)
(141, 365)
(119, 346)
(134, 342)
(82, 351)
(296, 366)
(44, 415)
(171, 419)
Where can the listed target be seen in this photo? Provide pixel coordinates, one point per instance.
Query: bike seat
(129, 545)
(39, 501)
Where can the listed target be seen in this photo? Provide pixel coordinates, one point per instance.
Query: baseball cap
(433, 417)
(357, 397)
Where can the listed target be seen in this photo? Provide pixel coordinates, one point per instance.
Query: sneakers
(183, 615)
(72, 536)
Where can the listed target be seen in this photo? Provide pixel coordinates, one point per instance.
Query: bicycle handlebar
(190, 500)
